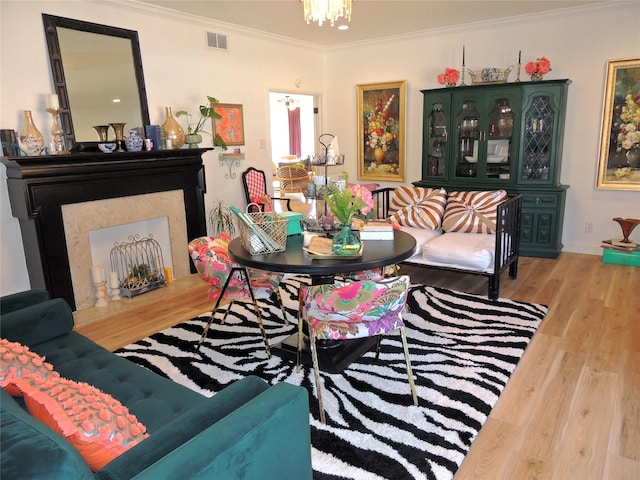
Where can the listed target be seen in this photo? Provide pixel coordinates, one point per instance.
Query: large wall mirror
(97, 74)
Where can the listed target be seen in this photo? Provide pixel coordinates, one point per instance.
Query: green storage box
(621, 258)
(294, 222)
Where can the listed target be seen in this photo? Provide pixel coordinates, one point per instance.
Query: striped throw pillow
(472, 212)
(418, 207)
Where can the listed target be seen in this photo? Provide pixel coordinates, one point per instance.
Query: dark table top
(375, 254)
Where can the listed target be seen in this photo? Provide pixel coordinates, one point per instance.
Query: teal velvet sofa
(249, 430)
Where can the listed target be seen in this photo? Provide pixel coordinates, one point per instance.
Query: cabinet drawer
(539, 200)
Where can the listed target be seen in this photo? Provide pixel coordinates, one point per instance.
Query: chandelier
(289, 102)
(323, 10)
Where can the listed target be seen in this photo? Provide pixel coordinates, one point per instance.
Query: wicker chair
(293, 179)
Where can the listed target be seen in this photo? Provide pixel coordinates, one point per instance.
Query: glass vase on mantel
(346, 242)
(173, 132)
(30, 140)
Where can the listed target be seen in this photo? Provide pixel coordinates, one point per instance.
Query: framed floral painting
(381, 131)
(231, 126)
(619, 161)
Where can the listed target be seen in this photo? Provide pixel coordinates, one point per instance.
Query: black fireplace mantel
(39, 187)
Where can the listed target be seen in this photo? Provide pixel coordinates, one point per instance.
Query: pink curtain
(295, 138)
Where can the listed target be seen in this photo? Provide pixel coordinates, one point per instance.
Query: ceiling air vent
(216, 40)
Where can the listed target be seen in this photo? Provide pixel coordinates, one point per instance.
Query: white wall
(180, 71)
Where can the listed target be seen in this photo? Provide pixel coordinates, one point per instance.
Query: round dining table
(333, 356)
(375, 254)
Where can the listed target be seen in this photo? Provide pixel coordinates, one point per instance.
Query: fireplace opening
(135, 251)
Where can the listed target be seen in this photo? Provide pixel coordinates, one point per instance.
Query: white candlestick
(113, 280)
(53, 102)
(101, 296)
(96, 274)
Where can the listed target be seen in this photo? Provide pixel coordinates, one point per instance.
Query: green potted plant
(221, 219)
(193, 136)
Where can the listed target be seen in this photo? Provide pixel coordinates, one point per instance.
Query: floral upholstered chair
(231, 282)
(343, 311)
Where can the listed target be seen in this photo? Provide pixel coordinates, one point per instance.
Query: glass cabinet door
(468, 136)
(485, 143)
(539, 122)
(500, 139)
(436, 135)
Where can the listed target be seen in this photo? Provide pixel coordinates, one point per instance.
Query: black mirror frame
(51, 22)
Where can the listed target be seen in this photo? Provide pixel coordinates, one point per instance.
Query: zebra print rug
(463, 349)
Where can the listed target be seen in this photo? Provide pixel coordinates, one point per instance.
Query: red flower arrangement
(450, 76)
(540, 67)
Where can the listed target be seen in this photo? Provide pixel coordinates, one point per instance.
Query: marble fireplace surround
(81, 218)
(40, 186)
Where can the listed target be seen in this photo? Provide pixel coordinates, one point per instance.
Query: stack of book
(620, 246)
(376, 231)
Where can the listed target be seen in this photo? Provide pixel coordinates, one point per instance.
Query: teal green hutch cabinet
(502, 136)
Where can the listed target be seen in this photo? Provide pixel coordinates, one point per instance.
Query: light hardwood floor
(571, 410)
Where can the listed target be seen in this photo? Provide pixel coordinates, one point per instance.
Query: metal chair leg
(405, 346)
(316, 372)
(226, 312)
(208, 325)
(264, 333)
(284, 313)
(257, 310)
(299, 353)
(205, 332)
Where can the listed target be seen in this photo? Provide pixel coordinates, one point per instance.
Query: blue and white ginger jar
(134, 142)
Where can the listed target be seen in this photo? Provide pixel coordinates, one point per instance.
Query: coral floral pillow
(418, 207)
(472, 212)
(95, 423)
(18, 362)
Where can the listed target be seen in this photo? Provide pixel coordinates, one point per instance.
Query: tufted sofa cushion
(77, 357)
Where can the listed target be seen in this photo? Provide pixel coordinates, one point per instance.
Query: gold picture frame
(381, 131)
(619, 159)
(231, 126)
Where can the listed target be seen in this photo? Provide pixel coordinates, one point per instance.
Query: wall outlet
(588, 227)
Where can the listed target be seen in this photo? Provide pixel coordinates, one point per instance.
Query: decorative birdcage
(139, 265)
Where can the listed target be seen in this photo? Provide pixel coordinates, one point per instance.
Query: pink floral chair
(231, 282)
(343, 311)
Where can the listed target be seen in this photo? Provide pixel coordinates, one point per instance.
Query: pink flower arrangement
(450, 76)
(540, 67)
(344, 204)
